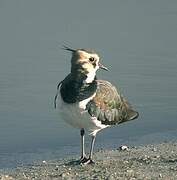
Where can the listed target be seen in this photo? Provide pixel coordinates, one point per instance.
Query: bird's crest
(68, 48)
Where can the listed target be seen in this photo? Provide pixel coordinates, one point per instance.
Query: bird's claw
(83, 159)
(86, 161)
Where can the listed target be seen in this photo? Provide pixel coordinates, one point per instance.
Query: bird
(87, 103)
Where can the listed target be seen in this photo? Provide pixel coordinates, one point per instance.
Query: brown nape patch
(78, 57)
(82, 55)
(75, 57)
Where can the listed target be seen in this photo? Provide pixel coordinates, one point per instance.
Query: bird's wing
(108, 106)
(55, 98)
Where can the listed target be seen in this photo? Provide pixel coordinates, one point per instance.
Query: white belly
(76, 115)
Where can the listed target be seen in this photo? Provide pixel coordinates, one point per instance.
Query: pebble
(111, 177)
(157, 156)
(125, 162)
(44, 162)
(6, 177)
(56, 167)
(63, 175)
(160, 175)
(173, 168)
(154, 149)
(130, 173)
(123, 148)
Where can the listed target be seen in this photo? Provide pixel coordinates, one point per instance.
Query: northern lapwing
(87, 103)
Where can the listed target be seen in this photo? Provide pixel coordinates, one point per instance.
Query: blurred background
(137, 41)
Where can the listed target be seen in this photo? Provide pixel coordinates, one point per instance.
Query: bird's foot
(83, 159)
(87, 161)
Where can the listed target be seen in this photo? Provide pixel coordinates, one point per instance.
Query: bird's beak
(102, 67)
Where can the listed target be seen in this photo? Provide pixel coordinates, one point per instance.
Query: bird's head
(85, 61)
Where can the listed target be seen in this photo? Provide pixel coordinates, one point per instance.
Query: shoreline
(153, 161)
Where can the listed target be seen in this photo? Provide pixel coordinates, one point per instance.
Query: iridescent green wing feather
(108, 106)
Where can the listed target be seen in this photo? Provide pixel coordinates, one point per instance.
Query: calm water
(137, 40)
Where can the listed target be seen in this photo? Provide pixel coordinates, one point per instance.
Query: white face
(89, 62)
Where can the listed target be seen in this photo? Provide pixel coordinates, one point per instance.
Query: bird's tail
(132, 114)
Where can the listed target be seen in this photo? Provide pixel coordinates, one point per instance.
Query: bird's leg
(91, 149)
(83, 156)
(89, 160)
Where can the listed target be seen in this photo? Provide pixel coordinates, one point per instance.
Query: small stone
(154, 149)
(63, 175)
(160, 175)
(130, 172)
(24, 175)
(96, 170)
(125, 162)
(6, 177)
(157, 156)
(56, 168)
(173, 168)
(44, 162)
(123, 148)
(146, 157)
(111, 177)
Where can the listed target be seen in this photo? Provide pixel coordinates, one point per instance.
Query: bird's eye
(91, 59)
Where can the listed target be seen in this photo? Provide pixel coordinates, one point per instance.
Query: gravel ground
(158, 161)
